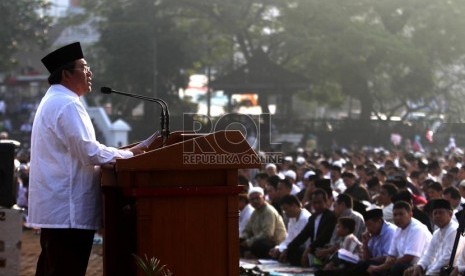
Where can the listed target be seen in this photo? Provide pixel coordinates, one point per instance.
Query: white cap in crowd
(288, 158)
(300, 160)
(290, 174)
(308, 173)
(257, 189)
(270, 165)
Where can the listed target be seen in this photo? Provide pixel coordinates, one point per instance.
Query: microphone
(164, 116)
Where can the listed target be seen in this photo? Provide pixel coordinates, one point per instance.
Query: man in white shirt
(439, 250)
(298, 218)
(64, 192)
(245, 212)
(386, 193)
(337, 184)
(409, 243)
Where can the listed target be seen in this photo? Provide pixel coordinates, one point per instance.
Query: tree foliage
(143, 49)
(391, 56)
(22, 23)
(383, 53)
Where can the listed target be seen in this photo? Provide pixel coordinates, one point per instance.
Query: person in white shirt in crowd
(410, 241)
(303, 182)
(460, 177)
(439, 250)
(337, 183)
(325, 169)
(271, 169)
(461, 188)
(384, 199)
(459, 266)
(452, 195)
(435, 171)
(245, 212)
(337, 158)
(292, 176)
(298, 218)
(287, 164)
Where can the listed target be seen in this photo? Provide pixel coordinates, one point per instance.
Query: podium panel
(184, 214)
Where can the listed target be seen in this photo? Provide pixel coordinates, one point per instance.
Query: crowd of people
(348, 212)
(360, 212)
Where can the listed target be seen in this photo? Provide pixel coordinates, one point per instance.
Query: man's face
(335, 175)
(453, 202)
(283, 190)
(272, 193)
(433, 194)
(257, 200)
(291, 211)
(462, 191)
(349, 181)
(271, 171)
(441, 217)
(262, 182)
(80, 80)
(461, 173)
(338, 208)
(374, 226)
(402, 217)
(318, 203)
(383, 197)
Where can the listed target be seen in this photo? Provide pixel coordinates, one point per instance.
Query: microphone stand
(164, 116)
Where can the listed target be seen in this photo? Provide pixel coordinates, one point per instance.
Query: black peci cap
(375, 213)
(441, 204)
(62, 56)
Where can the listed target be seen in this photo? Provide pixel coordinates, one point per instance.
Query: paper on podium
(147, 142)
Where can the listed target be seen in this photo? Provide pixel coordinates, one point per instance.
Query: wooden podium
(177, 203)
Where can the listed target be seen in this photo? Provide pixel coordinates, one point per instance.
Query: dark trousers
(358, 269)
(260, 248)
(64, 252)
(294, 255)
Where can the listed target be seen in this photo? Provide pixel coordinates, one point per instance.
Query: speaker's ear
(7, 186)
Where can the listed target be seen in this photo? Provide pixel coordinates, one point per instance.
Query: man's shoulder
(356, 215)
(305, 214)
(328, 214)
(418, 227)
(269, 209)
(388, 229)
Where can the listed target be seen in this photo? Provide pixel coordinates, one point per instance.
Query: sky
(58, 7)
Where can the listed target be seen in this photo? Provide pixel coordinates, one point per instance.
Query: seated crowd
(358, 213)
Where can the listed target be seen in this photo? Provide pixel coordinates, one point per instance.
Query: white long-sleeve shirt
(64, 191)
(294, 226)
(439, 250)
(244, 217)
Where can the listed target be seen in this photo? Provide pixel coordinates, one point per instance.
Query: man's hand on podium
(143, 146)
(147, 142)
(138, 149)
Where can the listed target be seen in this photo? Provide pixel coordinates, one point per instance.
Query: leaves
(151, 267)
(23, 25)
(384, 52)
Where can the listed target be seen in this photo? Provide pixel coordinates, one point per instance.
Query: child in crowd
(349, 248)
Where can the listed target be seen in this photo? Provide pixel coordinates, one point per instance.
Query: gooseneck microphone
(164, 116)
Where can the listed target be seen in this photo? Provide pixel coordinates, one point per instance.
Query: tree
(23, 23)
(143, 49)
(385, 54)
